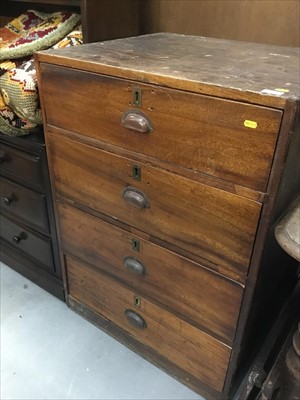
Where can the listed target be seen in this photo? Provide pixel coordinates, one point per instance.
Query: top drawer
(24, 167)
(226, 139)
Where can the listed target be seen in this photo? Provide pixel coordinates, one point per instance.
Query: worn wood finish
(32, 270)
(164, 332)
(24, 204)
(22, 166)
(147, 352)
(193, 291)
(212, 224)
(223, 223)
(222, 68)
(27, 225)
(209, 180)
(240, 154)
(27, 240)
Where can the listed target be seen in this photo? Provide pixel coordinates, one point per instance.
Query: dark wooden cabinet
(170, 162)
(27, 225)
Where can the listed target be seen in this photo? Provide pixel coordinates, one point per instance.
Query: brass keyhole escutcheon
(135, 244)
(136, 172)
(137, 301)
(137, 97)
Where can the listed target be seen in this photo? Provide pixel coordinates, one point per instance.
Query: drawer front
(174, 281)
(202, 220)
(25, 240)
(26, 167)
(222, 138)
(182, 344)
(25, 204)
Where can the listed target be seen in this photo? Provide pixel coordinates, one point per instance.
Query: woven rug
(20, 112)
(33, 31)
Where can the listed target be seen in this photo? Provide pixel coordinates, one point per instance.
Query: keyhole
(136, 172)
(135, 245)
(137, 301)
(137, 97)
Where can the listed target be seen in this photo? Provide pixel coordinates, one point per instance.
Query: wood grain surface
(172, 337)
(229, 140)
(224, 68)
(183, 286)
(208, 222)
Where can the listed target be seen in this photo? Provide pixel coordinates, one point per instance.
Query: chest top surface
(204, 65)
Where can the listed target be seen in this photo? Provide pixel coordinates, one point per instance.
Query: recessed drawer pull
(136, 121)
(133, 265)
(135, 319)
(21, 236)
(135, 197)
(7, 200)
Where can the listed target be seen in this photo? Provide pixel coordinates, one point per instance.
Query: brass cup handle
(135, 319)
(135, 198)
(134, 266)
(136, 121)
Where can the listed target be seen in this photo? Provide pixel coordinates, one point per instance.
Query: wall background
(264, 21)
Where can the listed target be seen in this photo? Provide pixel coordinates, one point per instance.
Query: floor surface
(49, 352)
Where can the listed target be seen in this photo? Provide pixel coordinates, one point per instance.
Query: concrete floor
(49, 352)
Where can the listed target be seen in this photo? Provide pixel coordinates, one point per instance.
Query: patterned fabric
(33, 31)
(11, 124)
(19, 91)
(72, 39)
(20, 112)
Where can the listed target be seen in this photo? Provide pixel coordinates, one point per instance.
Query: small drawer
(182, 344)
(174, 281)
(24, 239)
(24, 203)
(24, 166)
(202, 220)
(226, 139)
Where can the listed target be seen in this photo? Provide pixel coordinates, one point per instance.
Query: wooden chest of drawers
(27, 228)
(171, 157)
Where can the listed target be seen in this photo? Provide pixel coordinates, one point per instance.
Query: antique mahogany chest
(171, 158)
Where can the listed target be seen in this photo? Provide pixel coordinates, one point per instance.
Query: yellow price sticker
(250, 124)
(282, 90)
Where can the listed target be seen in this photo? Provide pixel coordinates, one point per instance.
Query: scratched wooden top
(258, 73)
